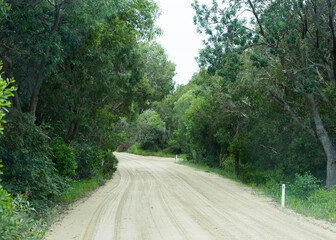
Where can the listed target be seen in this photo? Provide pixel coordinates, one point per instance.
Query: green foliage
(304, 185)
(27, 168)
(16, 219)
(109, 164)
(89, 161)
(151, 130)
(136, 149)
(322, 204)
(5, 93)
(79, 67)
(63, 157)
(158, 70)
(278, 41)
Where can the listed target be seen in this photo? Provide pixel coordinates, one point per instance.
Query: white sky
(179, 38)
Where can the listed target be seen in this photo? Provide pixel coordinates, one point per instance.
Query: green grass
(80, 189)
(206, 168)
(321, 204)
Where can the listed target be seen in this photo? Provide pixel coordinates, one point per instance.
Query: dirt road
(153, 198)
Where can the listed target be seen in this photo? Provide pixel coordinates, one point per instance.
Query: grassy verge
(80, 189)
(206, 168)
(317, 202)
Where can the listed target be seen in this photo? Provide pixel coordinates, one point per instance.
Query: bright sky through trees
(180, 38)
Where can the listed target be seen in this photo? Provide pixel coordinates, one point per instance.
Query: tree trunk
(237, 163)
(221, 156)
(36, 91)
(72, 132)
(325, 140)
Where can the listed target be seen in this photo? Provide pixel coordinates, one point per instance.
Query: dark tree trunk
(36, 91)
(72, 132)
(221, 156)
(237, 163)
(325, 140)
(38, 85)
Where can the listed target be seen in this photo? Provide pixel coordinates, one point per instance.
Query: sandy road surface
(152, 198)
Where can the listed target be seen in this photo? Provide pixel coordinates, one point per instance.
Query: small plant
(304, 185)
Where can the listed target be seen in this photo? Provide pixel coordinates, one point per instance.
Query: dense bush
(28, 168)
(16, 219)
(63, 157)
(89, 161)
(109, 164)
(304, 185)
(151, 129)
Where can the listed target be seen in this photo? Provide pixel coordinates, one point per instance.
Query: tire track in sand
(152, 199)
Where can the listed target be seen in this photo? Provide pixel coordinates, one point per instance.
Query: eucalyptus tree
(294, 41)
(102, 74)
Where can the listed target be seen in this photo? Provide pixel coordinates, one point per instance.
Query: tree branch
(294, 114)
(257, 18)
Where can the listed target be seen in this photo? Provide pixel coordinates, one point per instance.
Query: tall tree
(297, 37)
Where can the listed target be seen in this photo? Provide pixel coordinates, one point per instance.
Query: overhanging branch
(294, 114)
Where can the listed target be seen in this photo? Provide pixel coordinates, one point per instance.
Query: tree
(297, 38)
(102, 73)
(158, 70)
(151, 130)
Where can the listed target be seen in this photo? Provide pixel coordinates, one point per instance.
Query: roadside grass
(208, 169)
(319, 203)
(80, 189)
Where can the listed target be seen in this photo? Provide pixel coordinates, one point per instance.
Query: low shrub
(89, 161)
(63, 157)
(28, 169)
(304, 185)
(16, 217)
(109, 164)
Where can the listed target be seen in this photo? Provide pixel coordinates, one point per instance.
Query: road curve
(153, 198)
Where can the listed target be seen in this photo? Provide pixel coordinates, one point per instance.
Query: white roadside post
(283, 195)
(176, 158)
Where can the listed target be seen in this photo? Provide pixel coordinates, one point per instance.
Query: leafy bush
(109, 164)
(25, 151)
(304, 185)
(63, 157)
(16, 219)
(89, 161)
(151, 130)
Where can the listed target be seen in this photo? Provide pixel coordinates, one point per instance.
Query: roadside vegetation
(80, 69)
(305, 194)
(90, 79)
(262, 107)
